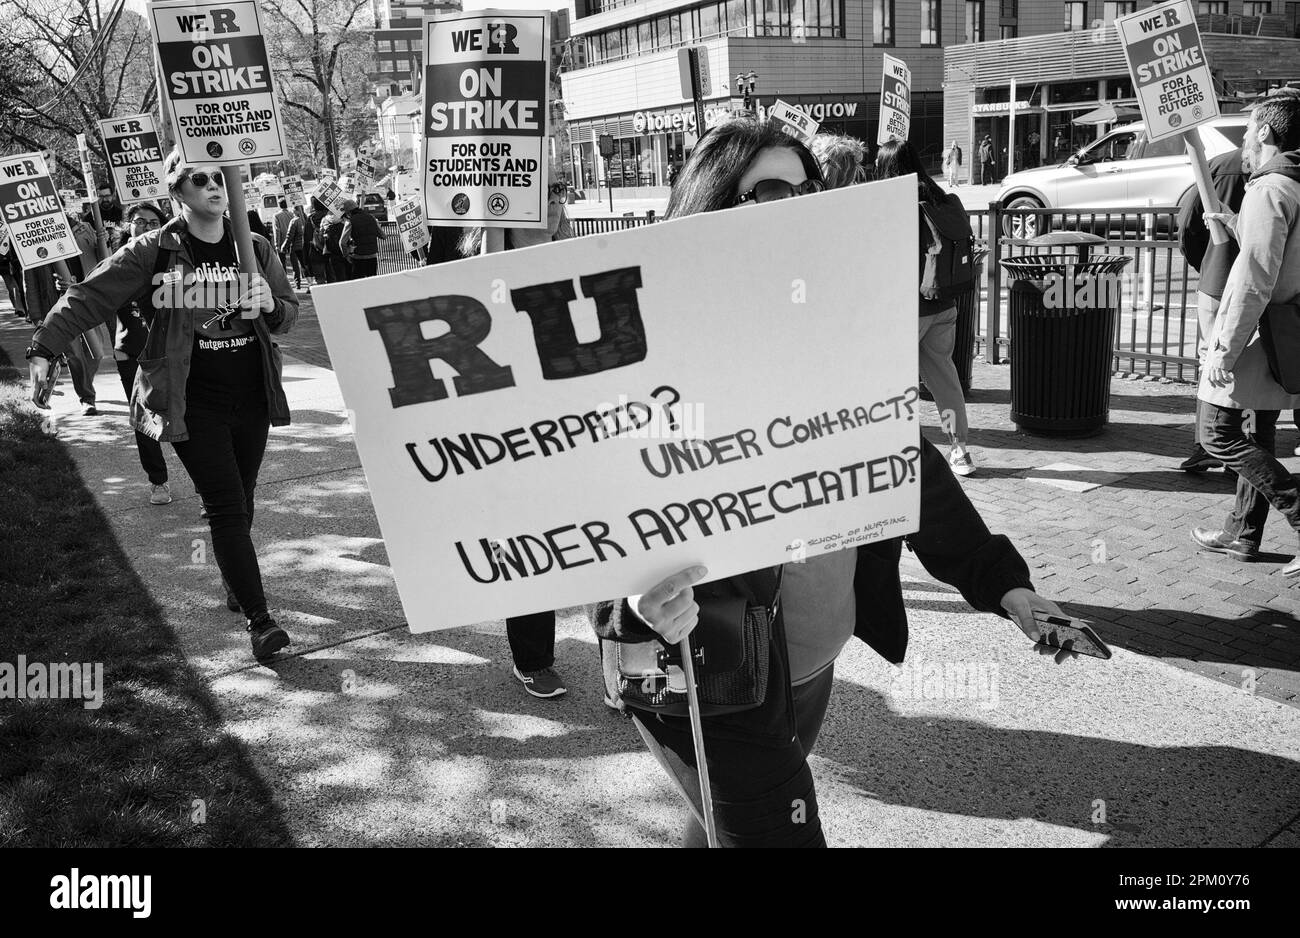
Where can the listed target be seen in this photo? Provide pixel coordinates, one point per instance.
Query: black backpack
(948, 250)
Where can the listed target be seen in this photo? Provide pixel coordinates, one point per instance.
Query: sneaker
(961, 462)
(1297, 450)
(160, 494)
(265, 636)
(544, 683)
(90, 411)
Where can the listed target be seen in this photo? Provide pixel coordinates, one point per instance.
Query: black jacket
(953, 544)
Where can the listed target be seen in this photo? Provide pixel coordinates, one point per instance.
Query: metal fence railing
(1156, 329)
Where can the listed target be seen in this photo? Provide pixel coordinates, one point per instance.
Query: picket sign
(1174, 85)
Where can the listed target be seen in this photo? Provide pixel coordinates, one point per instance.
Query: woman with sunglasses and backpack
(942, 217)
(208, 379)
(763, 792)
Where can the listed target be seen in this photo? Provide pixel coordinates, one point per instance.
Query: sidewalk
(370, 735)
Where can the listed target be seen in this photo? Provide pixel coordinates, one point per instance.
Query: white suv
(1122, 170)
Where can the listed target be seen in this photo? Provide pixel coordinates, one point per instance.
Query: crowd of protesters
(210, 384)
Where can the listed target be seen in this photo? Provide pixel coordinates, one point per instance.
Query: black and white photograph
(867, 424)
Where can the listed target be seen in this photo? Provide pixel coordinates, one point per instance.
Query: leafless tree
(50, 105)
(319, 50)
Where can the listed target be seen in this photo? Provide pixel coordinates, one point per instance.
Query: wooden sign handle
(1204, 185)
(239, 225)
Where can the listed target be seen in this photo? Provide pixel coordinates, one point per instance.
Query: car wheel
(1024, 226)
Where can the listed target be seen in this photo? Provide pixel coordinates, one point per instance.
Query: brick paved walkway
(1118, 553)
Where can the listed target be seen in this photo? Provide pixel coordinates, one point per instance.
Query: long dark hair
(710, 177)
(899, 158)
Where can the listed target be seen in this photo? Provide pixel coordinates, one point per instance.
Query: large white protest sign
(411, 224)
(485, 118)
(1175, 89)
(571, 422)
(796, 123)
(217, 77)
(895, 100)
(33, 212)
(135, 157)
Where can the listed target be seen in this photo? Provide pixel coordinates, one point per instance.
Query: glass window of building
(645, 33)
(710, 21)
(931, 17)
(1256, 9)
(829, 19)
(1111, 11)
(384, 45)
(974, 20)
(1212, 8)
(882, 22)
(1008, 32)
(1073, 92)
(1076, 15)
(737, 18)
(1120, 88)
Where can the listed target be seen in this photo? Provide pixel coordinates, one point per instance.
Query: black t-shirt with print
(225, 360)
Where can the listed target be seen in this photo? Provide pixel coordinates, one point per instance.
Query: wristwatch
(37, 351)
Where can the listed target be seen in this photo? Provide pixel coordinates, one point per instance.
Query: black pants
(1261, 479)
(152, 460)
(763, 796)
(364, 267)
(532, 640)
(336, 268)
(223, 456)
(292, 257)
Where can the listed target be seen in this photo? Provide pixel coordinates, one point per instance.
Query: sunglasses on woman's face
(773, 190)
(200, 180)
(149, 223)
(558, 188)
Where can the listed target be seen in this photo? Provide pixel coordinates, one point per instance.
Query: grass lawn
(129, 773)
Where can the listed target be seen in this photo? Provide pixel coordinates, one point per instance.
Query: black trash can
(968, 313)
(1064, 302)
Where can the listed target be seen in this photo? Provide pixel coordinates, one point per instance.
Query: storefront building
(1060, 78)
(824, 56)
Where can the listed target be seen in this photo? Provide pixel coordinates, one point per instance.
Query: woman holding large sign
(209, 377)
(763, 791)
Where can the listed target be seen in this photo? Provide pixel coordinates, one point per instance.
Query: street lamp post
(745, 85)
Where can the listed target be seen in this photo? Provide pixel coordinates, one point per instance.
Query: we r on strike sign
(218, 79)
(485, 116)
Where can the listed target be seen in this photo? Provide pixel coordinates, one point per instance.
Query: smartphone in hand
(1070, 634)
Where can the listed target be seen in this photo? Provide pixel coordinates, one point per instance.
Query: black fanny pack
(731, 651)
(1279, 331)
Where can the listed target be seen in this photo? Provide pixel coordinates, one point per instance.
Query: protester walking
(303, 240)
(279, 228)
(132, 331)
(531, 637)
(336, 265)
(317, 216)
(84, 355)
(209, 380)
(952, 163)
(359, 241)
(1240, 387)
(943, 224)
(985, 156)
(763, 792)
(1213, 262)
(289, 244)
